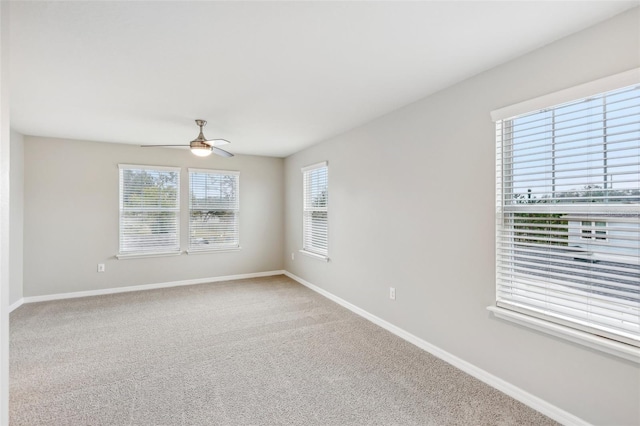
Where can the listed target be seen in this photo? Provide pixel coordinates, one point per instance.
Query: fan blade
(221, 152)
(155, 146)
(217, 142)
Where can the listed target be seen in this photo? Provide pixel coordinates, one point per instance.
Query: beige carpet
(264, 351)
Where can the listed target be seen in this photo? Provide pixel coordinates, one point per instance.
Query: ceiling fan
(201, 146)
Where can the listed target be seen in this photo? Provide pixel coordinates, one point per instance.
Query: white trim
(15, 305)
(609, 346)
(143, 255)
(219, 172)
(60, 296)
(515, 392)
(616, 81)
(315, 166)
(314, 255)
(149, 167)
(213, 250)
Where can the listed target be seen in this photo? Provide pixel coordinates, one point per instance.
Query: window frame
(215, 248)
(177, 211)
(309, 249)
(557, 328)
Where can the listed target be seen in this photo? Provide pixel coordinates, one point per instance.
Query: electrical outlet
(100, 267)
(293, 256)
(392, 293)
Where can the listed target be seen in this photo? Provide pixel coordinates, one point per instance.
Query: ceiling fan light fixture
(201, 152)
(200, 149)
(201, 146)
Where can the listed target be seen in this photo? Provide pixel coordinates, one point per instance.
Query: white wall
(411, 202)
(5, 146)
(15, 217)
(71, 217)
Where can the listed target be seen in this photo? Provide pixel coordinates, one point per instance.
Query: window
(149, 210)
(214, 207)
(316, 208)
(594, 230)
(568, 222)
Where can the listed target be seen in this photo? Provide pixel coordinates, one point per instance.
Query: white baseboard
(515, 392)
(15, 305)
(59, 296)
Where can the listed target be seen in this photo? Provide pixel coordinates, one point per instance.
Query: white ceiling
(271, 77)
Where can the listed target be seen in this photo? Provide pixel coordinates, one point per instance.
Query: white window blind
(149, 209)
(316, 205)
(214, 208)
(568, 214)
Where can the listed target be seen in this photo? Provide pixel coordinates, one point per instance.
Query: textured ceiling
(271, 77)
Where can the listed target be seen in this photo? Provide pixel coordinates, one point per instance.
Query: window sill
(143, 255)
(315, 255)
(612, 347)
(214, 250)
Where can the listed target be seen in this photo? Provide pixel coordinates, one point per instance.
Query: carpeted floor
(263, 351)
